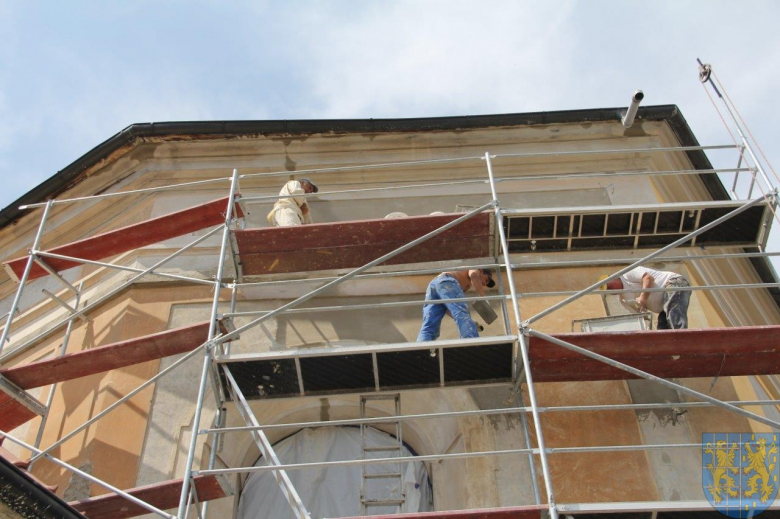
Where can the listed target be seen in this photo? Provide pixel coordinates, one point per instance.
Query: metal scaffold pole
(523, 340)
(267, 450)
(705, 75)
(516, 374)
(207, 352)
(219, 420)
(482, 412)
(53, 387)
(25, 275)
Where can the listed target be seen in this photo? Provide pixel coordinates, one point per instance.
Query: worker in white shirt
(293, 209)
(671, 306)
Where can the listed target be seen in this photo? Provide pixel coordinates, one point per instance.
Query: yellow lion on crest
(724, 456)
(758, 463)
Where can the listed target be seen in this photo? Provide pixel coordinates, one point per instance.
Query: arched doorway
(331, 491)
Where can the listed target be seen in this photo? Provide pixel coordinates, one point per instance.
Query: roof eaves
(28, 498)
(129, 136)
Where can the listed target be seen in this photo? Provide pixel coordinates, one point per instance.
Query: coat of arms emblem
(740, 472)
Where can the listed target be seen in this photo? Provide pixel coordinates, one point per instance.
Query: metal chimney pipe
(628, 119)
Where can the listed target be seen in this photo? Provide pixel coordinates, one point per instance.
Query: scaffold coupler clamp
(524, 328)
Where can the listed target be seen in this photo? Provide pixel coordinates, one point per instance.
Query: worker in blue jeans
(453, 285)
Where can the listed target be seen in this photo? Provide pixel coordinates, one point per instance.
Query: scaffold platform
(634, 227)
(711, 352)
(18, 407)
(341, 245)
(489, 360)
(127, 238)
(365, 369)
(345, 245)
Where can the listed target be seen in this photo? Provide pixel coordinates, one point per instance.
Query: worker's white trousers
(286, 217)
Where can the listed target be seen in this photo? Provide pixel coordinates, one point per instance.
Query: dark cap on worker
(490, 283)
(312, 184)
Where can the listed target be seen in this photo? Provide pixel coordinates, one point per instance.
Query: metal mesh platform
(364, 369)
(634, 227)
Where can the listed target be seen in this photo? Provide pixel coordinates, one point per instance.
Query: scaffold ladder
(370, 496)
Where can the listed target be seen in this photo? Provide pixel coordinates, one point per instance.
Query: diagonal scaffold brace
(649, 376)
(267, 450)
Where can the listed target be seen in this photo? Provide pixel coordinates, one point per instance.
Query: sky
(72, 74)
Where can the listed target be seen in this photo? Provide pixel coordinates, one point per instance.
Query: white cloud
(437, 58)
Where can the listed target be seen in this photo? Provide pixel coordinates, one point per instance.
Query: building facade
(563, 163)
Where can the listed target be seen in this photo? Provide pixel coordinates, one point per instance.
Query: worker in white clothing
(671, 306)
(293, 209)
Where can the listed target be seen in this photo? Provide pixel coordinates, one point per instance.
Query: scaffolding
(522, 355)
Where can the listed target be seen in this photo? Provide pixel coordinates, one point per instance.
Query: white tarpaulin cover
(333, 491)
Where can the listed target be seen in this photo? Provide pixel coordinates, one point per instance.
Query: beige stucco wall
(145, 441)
(109, 449)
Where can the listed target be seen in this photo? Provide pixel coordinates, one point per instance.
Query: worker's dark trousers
(675, 314)
(445, 287)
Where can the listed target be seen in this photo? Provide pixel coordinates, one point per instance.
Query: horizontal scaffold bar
(542, 263)
(421, 302)
(485, 412)
(514, 512)
(459, 455)
(314, 171)
(488, 360)
(258, 199)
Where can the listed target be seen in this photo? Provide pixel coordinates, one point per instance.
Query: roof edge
(129, 136)
(24, 495)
